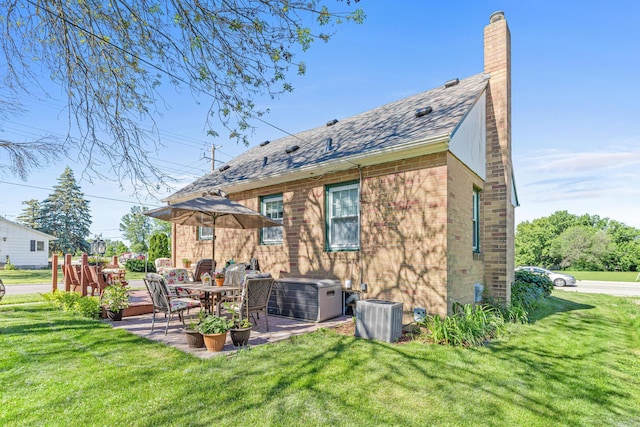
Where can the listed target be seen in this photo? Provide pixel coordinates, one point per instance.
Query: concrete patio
(280, 328)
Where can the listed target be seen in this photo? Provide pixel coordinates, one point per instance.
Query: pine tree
(30, 215)
(66, 215)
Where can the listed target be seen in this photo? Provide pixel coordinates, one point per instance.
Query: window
(271, 207)
(40, 246)
(205, 233)
(33, 245)
(343, 217)
(476, 220)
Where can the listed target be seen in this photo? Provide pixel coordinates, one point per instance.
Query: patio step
(140, 303)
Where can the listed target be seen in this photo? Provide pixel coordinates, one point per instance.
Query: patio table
(208, 290)
(115, 276)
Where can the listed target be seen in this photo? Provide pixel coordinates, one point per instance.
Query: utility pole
(213, 158)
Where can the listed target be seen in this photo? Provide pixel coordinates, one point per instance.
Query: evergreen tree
(159, 247)
(66, 215)
(30, 215)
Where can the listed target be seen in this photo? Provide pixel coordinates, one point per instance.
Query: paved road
(46, 287)
(622, 289)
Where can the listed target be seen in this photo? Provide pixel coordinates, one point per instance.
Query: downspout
(360, 260)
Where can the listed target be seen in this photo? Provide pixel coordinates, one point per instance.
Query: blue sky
(575, 111)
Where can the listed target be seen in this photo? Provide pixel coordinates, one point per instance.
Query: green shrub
(8, 265)
(469, 325)
(87, 307)
(97, 261)
(73, 302)
(530, 290)
(137, 266)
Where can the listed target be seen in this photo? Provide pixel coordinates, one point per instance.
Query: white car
(558, 279)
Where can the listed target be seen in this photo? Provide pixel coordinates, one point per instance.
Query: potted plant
(186, 262)
(240, 329)
(241, 332)
(193, 335)
(214, 331)
(219, 278)
(115, 298)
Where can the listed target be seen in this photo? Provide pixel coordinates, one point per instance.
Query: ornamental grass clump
(469, 325)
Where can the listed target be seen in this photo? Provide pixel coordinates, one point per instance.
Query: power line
(87, 195)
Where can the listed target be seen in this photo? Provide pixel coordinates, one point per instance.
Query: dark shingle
(369, 132)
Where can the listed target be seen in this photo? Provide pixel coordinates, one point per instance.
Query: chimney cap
(496, 16)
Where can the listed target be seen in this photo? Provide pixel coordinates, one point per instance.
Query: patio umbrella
(212, 211)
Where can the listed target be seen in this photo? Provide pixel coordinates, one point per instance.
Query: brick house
(415, 198)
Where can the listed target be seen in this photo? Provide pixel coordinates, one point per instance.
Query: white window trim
(475, 221)
(343, 247)
(263, 204)
(203, 236)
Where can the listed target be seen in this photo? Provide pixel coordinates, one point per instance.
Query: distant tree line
(578, 242)
(65, 214)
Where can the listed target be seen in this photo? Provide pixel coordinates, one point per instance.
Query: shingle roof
(373, 131)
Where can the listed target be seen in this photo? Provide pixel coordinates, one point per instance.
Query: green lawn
(606, 276)
(577, 364)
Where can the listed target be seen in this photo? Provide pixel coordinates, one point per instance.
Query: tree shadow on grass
(555, 305)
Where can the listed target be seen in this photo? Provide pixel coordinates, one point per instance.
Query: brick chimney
(498, 214)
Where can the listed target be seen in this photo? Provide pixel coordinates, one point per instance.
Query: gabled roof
(363, 139)
(24, 227)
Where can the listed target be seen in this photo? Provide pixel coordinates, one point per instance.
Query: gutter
(435, 144)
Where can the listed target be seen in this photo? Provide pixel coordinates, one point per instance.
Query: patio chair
(234, 276)
(74, 277)
(162, 263)
(164, 302)
(205, 265)
(95, 279)
(255, 298)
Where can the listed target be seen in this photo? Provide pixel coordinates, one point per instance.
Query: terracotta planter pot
(240, 337)
(220, 281)
(194, 339)
(214, 342)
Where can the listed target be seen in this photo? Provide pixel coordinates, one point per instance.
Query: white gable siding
(15, 242)
(468, 142)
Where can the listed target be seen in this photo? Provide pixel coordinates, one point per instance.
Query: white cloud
(605, 183)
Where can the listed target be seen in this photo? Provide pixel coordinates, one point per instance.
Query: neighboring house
(25, 247)
(415, 198)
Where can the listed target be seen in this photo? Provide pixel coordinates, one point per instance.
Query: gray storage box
(308, 299)
(379, 320)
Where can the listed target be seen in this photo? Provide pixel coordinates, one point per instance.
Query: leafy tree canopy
(137, 228)
(112, 57)
(583, 242)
